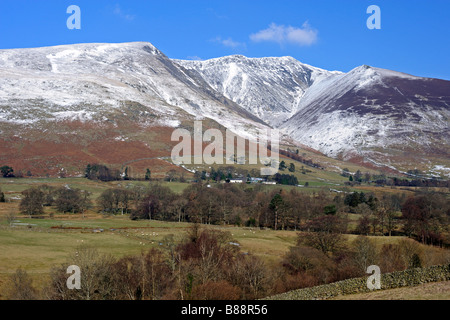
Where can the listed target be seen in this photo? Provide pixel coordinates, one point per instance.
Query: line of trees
(297, 157)
(286, 179)
(226, 174)
(102, 173)
(382, 180)
(231, 204)
(418, 183)
(424, 217)
(65, 199)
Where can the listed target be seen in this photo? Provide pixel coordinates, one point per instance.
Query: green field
(48, 242)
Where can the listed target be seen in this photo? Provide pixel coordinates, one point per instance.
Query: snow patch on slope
(87, 82)
(270, 88)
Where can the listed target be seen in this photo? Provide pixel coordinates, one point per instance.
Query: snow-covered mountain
(379, 115)
(96, 82)
(271, 88)
(72, 99)
(66, 106)
(368, 114)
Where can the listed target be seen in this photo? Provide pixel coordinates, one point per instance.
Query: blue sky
(331, 34)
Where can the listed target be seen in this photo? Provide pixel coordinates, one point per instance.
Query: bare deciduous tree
(365, 252)
(97, 277)
(32, 202)
(325, 234)
(10, 218)
(20, 287)
(250, 274)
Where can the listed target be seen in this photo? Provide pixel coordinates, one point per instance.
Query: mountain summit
(270, 88)
(382, 116)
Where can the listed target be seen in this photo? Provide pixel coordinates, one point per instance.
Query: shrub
(301, 259)
(7, 171)
(21, 287)
(72, 200)
(221, 290)
(32, 202)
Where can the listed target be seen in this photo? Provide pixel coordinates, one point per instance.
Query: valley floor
(35, 245)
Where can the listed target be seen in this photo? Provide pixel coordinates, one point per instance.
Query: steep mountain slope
(271, 88)
(85, 81)
(59, 106)
(368, 115)
(379, 116)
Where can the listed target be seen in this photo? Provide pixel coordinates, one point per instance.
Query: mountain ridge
(105, 74)
(269, 87)
(369, 114)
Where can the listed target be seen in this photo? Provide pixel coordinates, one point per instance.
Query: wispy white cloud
(229, 42)
(123, 15)
(303, 36)
(216, 14)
